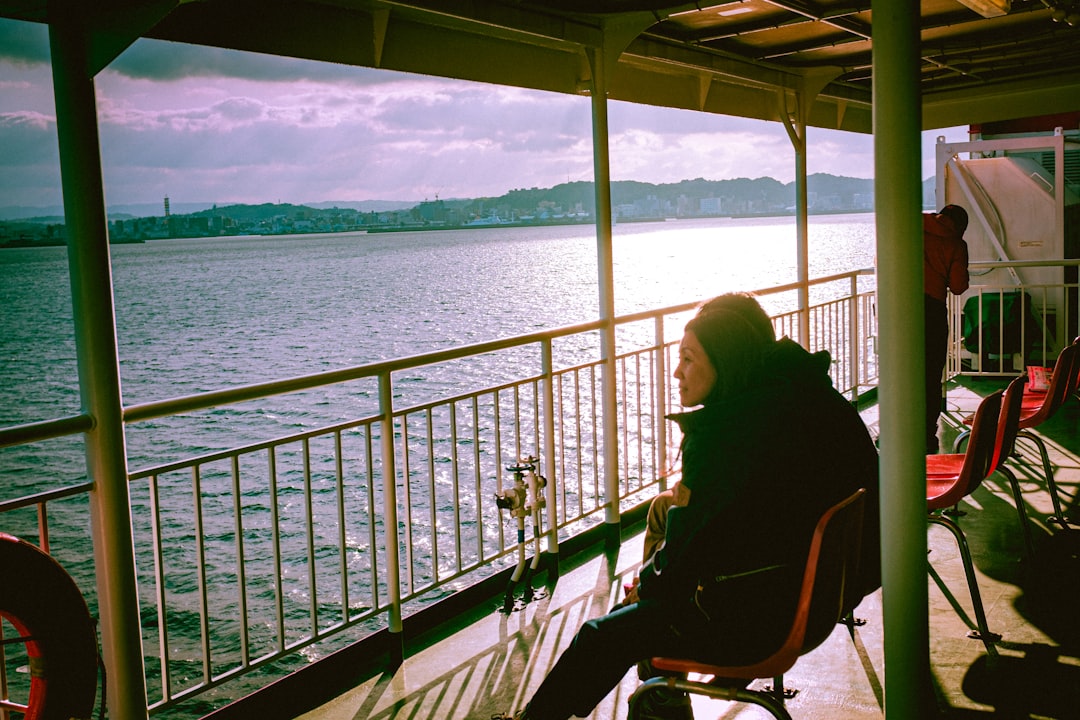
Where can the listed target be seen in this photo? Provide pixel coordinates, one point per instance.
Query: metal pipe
(99, 367)
(897, 185)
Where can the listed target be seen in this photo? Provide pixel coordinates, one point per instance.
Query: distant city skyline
(207, 125)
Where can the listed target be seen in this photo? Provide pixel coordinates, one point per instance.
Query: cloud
(23, 43)
(28, 138)
(203, 124)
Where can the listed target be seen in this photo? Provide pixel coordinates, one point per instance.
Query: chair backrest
(1062, 382)
(978, 460)
(832, 567)
(1008, 423)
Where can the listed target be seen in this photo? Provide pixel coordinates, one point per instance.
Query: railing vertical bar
(373, 547)
(1001, 332)
(43, 528)
(659, 418)
(159, 587)
(853, 344)
(309, 518)
(343, 541)
(563, 449)
(623, 424)
(536, 419)
(580, 453)
(454, 483)
(241, 571)
(1024, 308)
(477, 479)
(406, 489)
(200, 568)
(834, 322)
(517, 422)
(275, 531)
(433, 505)
(638, 415)
(596, 439)
(497, 411)
(1045, 329)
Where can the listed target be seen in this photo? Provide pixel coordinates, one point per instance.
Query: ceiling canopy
(981, 60)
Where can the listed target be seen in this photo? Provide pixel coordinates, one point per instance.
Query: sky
(207, 125)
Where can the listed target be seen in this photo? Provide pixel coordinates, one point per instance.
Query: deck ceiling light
(989, 8)
(738, 7)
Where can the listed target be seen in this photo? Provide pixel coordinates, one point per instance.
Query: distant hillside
(758, 193)
(55, 213)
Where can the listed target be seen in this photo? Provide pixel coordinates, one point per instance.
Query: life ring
(44, 605)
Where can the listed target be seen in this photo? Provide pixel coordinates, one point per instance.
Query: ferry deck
(485, 661)
(921, 66)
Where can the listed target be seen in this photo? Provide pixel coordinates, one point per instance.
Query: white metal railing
(309, 541)
(999, 328)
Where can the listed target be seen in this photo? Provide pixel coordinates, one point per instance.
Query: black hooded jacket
(763, 465)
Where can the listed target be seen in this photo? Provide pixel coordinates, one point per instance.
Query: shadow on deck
(485, 661)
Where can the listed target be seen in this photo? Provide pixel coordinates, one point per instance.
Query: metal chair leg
(1058, 516)
(983, 633)
(1021, 510)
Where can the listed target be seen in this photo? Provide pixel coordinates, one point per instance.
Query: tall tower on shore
(166, 206)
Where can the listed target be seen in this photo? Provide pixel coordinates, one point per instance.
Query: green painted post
(898, 193)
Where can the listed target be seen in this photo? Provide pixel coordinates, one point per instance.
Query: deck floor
(495, 661)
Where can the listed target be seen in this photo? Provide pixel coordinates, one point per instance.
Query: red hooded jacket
(945, 257)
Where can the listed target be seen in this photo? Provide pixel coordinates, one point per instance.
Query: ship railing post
(390, 517)
(660, 433)
(548, 372)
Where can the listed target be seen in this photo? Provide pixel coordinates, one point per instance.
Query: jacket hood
(941, 226)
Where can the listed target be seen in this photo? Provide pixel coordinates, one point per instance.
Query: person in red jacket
(945, 269)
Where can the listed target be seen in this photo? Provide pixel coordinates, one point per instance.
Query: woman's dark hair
(745, 305)
(735, 333)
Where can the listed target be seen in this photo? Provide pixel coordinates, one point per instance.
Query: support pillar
(606, 283)
(99, 369)
(898, 193)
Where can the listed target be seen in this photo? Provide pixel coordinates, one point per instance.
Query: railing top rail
(45, 430)
(45, 497)
(146, 411)
(991, 264)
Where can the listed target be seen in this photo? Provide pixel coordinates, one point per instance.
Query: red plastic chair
(952, 477)
(1004, 445)
(1037, 408)
(824, 599)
